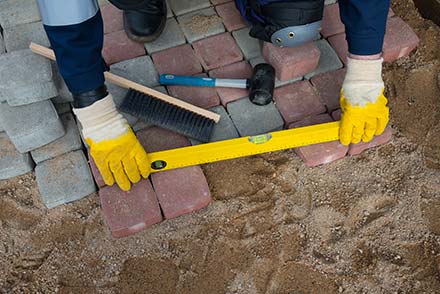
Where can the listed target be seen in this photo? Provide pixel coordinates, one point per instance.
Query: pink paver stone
(399, 40)
(181, 191)
(329, 86)
(112, 18)
(331, 21)
(127, 213)
(297, 101)
(386, 136)
(232, 18)
(339, 44)
(291, 63)
(118, 47)
(157, 139)
(239, 70)
(96, 174)
(323, 153)
(337, 114)
(179, 60)
(204, 97)
(312, 120)
(217, 51)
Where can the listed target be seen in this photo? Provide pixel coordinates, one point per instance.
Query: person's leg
(75, 32)
(144, 20)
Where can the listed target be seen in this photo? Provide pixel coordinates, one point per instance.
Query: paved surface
(202, 38)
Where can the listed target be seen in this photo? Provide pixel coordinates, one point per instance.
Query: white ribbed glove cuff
(101, 120)
(363, 82)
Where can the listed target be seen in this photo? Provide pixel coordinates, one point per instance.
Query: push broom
(155, 107)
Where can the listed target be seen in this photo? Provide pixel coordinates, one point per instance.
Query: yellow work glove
(114, 147)
(364, 107)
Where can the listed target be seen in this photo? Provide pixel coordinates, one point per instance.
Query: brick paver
(329, 86)
(201, 24)
(180, 7)
(339, 44)
(298, 101)
(385, 137)
(311, 120)
(204, 97)
(179, 60)
(69, 142)
(20, 36)
(140, 70)
(15, 12)
(26, 78)
(239, 70)
(31, 126)
(400, 40)
(12, 162)
(249, 46)
(112, 18)
(64, 94)
(181, 191)
(118, 47)
(157, 139)
(64, 179)
(232, 18)
(217, 51)
(331, 21)
(291, 63)
(328, 60)
(127, 213)
(171, 36)
(251, 119)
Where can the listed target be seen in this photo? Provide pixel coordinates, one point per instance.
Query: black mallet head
(262, 84)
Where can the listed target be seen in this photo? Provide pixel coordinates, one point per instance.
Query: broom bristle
(167, 115)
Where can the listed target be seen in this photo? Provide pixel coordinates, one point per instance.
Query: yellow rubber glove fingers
(120, 175)
(131, 169)
(142, 162)
(358, 132)
(106, 174)
(345, 130)
(370, 130)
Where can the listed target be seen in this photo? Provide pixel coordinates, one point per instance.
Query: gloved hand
(364, 106)
(114, 147)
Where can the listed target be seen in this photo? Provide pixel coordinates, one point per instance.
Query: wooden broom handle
(125, 83)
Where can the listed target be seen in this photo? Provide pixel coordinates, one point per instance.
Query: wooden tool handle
(125, 83)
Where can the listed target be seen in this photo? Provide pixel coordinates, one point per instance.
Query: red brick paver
(331, 21)
(339, 43)
(118, 47)
(127, 213)
(181, 191)
(112, 18)
(232, 18)
(297, 101)
(157, 139)
(312, 120)
(291, 63)
(386, 136)
(329, 86)
(96, 174)
(239, 70)
(399, 41)
(217, 51)
(179, 60)
(204, 97)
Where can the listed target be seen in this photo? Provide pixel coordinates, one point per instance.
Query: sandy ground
(365, 224)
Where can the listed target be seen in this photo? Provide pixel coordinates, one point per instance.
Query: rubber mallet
(261, 85)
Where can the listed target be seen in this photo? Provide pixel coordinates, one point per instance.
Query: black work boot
(146, 23)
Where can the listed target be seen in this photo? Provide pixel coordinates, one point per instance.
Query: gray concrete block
(169, 11)
(71, 141)
(328, 60)
(26, 78)
(172, 36)
(140, 70)
(20, 36)
(201, 24)
(31, 126)
(224, 129)
(2, 45)
(64, 94)
(15, 12)
(64, 179)
(250, 47)
(180, 7)
(251, 119)
(12, 162)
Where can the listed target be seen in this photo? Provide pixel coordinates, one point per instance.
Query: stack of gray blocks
(37, 127)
